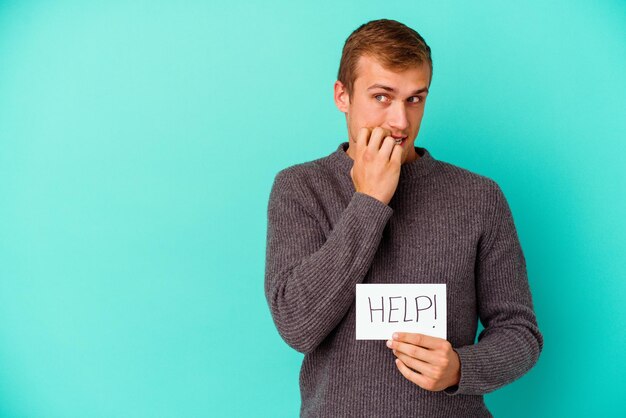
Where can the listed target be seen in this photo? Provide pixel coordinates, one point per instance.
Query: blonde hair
(396, 46)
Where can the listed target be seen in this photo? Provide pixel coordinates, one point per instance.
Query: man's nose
(397, 116)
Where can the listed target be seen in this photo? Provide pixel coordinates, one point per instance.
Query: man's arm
(511, 342)
(310, 278)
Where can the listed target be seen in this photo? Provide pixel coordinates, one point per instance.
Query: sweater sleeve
(510, 343)
(310, 277)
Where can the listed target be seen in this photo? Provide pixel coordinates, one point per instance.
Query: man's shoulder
(307, 172)
(310, 183)
(464, 180)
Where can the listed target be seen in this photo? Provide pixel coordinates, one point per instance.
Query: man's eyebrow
(392, 90)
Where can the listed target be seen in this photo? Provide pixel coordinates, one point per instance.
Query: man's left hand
(429, 362)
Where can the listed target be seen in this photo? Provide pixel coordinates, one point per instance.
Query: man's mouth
(400, 141)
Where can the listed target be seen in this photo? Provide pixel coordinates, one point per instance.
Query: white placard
(382, 309)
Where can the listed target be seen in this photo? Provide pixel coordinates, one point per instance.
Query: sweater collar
(415, 169)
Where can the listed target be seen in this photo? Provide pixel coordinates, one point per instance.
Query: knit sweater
(444, 224)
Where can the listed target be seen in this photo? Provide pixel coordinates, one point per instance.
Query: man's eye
(380, 95)
(417, 99)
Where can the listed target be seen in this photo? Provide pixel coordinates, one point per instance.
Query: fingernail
(389, 343)
(395, 336)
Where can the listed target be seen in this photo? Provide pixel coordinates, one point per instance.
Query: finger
(376, 138)
(416, 365)
(362, 137)
(396, 155)
(417, 352)
(421, 340)
(419, 379)
(387, 147)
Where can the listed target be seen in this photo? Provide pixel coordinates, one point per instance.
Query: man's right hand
(377, 160)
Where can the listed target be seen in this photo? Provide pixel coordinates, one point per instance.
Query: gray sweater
(444, 224)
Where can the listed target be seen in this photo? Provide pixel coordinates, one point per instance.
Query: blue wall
(138, 144)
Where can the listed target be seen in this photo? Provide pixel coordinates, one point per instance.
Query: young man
(381, 210)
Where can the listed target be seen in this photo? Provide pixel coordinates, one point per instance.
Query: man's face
(392, 100)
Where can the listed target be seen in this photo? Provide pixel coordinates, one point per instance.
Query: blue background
(138, 144)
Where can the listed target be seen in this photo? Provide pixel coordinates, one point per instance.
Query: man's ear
(342, 99)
